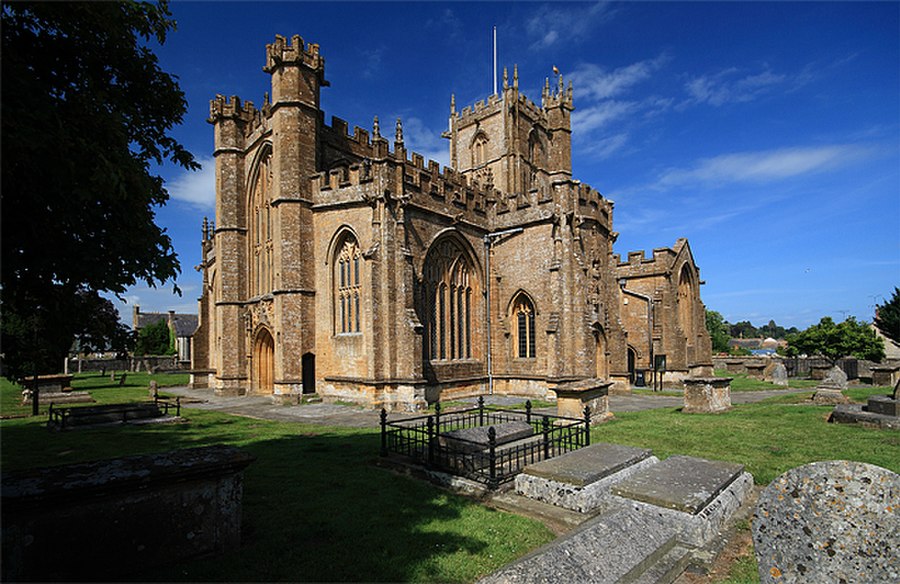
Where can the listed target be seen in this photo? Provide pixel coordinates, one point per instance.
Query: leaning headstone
(777, 374)
(832, 521)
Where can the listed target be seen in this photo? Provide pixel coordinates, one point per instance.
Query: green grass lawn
(102, 389)
(316, 508)
(742, 382)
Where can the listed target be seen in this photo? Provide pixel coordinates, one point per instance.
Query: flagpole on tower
(495, 60)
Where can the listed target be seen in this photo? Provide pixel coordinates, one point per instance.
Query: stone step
(668, 568)
(558, 519)
(616, 547)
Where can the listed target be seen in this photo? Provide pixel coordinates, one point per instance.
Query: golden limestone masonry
(343, 265)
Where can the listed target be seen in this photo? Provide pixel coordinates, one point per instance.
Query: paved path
(349, 416)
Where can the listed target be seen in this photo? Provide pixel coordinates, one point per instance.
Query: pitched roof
(185, 324)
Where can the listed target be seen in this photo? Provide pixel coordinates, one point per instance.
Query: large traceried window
(262, 271)
(523, 323)
(448, 302)
(347, 289)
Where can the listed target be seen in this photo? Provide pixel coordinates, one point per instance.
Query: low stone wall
(154, 363)
(100, 520)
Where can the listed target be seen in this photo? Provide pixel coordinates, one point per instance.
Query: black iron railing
(436, 442)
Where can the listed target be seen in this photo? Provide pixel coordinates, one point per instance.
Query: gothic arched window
(347, 290)
(262, 270)
(523, 323)
(448, 301)
(479, 150)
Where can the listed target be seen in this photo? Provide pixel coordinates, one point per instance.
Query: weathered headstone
(836, 376)
(777, 373)
(832, 521)
(154, 389)
(828, 392)
(707, 395)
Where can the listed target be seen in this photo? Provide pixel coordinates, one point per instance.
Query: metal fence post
(587, 425)
(480, 410)
(384, 451)
(437, 417)
(492, 457)
(545, 427)
(528, 411)
(178, 406)
(430, 440)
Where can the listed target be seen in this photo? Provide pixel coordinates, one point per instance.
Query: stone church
(344, 265)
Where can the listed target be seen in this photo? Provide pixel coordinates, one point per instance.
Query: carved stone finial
(452, 103)
(376, 129)
(205, 228)
(505, 79)
(265, 99)
(560, 83)
(515, 76)
(398, 138)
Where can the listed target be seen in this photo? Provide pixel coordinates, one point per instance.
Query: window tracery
(347, 290)
(523, 316)
(448, 299)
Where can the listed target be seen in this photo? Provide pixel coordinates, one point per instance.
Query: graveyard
(315, 488)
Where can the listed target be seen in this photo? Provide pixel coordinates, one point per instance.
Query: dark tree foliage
(155, 339)
(87, 113)
(834, 341)
(718, 331)
(744, 330)
(887, 317)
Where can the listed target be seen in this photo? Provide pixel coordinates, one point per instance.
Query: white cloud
(197, 188)
(419, 138)
(606, 147)
(768, 165)
(600, 115)
(595, 82)
(734, 86)
(551, 23)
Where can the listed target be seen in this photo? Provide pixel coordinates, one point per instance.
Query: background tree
(834, 341)
(744, 330)
(887, 317)
(86, 112)
(155, 339)
(718, 331)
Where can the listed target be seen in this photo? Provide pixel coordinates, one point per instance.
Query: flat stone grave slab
(581, 480)
(476, 439)
(588, 465)
(618, 546)
(683, 483)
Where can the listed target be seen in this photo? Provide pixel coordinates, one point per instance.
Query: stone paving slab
(587, 465)
(683, 483)
(617, 546)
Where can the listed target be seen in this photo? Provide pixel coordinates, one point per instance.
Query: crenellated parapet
(232, 108)
(638, 265)
(295, 52)
(560, 97)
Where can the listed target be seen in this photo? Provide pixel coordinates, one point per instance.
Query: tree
(834, 341)
(718, 331)
(744, 330)
(887, 317)
(86, 112)
(155, 339)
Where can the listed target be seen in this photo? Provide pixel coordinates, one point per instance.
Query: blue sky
(767, 133)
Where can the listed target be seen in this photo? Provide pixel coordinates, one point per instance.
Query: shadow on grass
(315, 507)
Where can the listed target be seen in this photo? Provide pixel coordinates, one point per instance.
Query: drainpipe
(489, 240)
(649, 301)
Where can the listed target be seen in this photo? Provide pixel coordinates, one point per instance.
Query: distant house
(767, 346)
(182, 326)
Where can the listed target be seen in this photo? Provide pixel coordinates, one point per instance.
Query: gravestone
(831, 521)
(776, 373)
(154, 389)
(828, 392)
(707, 395)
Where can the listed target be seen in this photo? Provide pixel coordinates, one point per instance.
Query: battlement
(232, 108)
(638, 264)
(479, 110)
(295, 52)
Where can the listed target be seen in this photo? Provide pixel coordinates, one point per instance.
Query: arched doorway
(263, 362)
(602, 363)
(632, 365)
